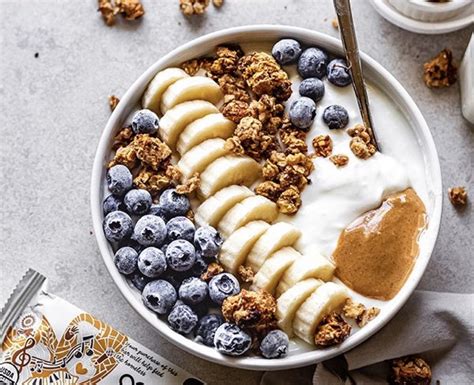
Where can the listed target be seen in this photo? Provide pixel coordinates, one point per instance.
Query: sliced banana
(250, 209)
(151, 98)
(207, 127)
(199, 157)
(226, 171)
(269, 274)
(308, 266)
(324, 300)
(279, 235)
(177, 118)
(291, 300)
(190, 88)
(235, 248)
(211, 211)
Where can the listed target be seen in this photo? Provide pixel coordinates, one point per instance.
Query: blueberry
(119, 179)
(112, 203)
(150, 230)
(182, 319)
(193, 291)
(200, 266)
(208, 241)
(302, 113)
(275, 344)
(174, 204)
(180, 255)
(159, 296)
(206, 328)
(335, 116)
(137, 201)
(312, 63)
(126, 260)
(180, 228)
(286, 51)
(139, 280)
(312, 88)
(117, 226)
(338, 73)
(157, 210)
(222, 286)
(230, 339)
(152, 262)
(145, 122)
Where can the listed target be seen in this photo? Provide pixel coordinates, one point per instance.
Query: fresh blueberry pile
(313, 64)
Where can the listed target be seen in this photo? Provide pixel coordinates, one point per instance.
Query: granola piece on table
(458, 196)
(410, 370)
(440, 71)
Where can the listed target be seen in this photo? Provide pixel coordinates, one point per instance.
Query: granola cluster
(197, 7)
(410, 371)
(458, 196)
(322, 145)
(332, 330)
(252, 311)
(339, 160)
(245, 273)
(361, 144)
(149, 159)
(113, 101)
(440, 71)
(128, 9)
(212, 270)
(359, 312)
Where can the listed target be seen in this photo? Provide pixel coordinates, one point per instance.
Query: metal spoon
(349, 41)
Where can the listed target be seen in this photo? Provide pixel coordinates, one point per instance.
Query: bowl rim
(255, 363)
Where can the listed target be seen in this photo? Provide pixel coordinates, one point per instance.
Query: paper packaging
(47, 340)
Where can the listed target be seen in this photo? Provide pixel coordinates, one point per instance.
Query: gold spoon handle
(349, 41)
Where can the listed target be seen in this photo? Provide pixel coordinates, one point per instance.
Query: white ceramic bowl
(430, 11)
(374, 73)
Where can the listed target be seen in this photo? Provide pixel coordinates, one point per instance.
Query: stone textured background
(54, 107)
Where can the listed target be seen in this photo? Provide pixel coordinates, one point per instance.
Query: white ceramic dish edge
(260, 32)
(429, 11)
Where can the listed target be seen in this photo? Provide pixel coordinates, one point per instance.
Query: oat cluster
(322, 145)
(332, 330)
(410, 370)
(440, 71)
(361, 144)
(245, 273)
(458, 196)
(213, 269)
(359, 312)
(252, 311)
(113, 101)
(339, 160)
(149, 159)
(128, 9)
(197, 7)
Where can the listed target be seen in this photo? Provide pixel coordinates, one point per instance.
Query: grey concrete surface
(54, 107)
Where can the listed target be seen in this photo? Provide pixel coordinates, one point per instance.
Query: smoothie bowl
(242, 210)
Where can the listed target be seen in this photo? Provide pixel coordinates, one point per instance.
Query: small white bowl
(376, 74)
(430, 11)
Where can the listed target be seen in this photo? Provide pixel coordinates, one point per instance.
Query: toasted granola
(335, 23)
(151, 180)
(193, 7)
(269, 189)
(332, 330)
(218, 3)
(339, 160)
(235, 110)
(212, 270)
(190, 215)
(265, 76)
(113, 101)
(458, 196)
(410, 370)
(125, 155)
(130, 9)
(359, 312)
(440, 71)
(268, 111)
(252, 311)
(227, 60)
(108, 11)
(322, 145)
(361, 144)
(190, 185)
(123, 138)
(151, 151)
(289, 201)
(233, 88)
(245, 273)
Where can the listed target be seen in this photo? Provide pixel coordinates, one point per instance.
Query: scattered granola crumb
(440, 71)
(193, 7)
(339, 160)
(212, 270)
(332, 330)
(410, 370)
(458, 196)
(252, 311)
(245, 273)
(359, 312)
(190, 185)
(130, 9)
(190, 215)
(113, 101)
(218, 3)
(108, 11)
(123, 138)
(322, 145)
(335, 23)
